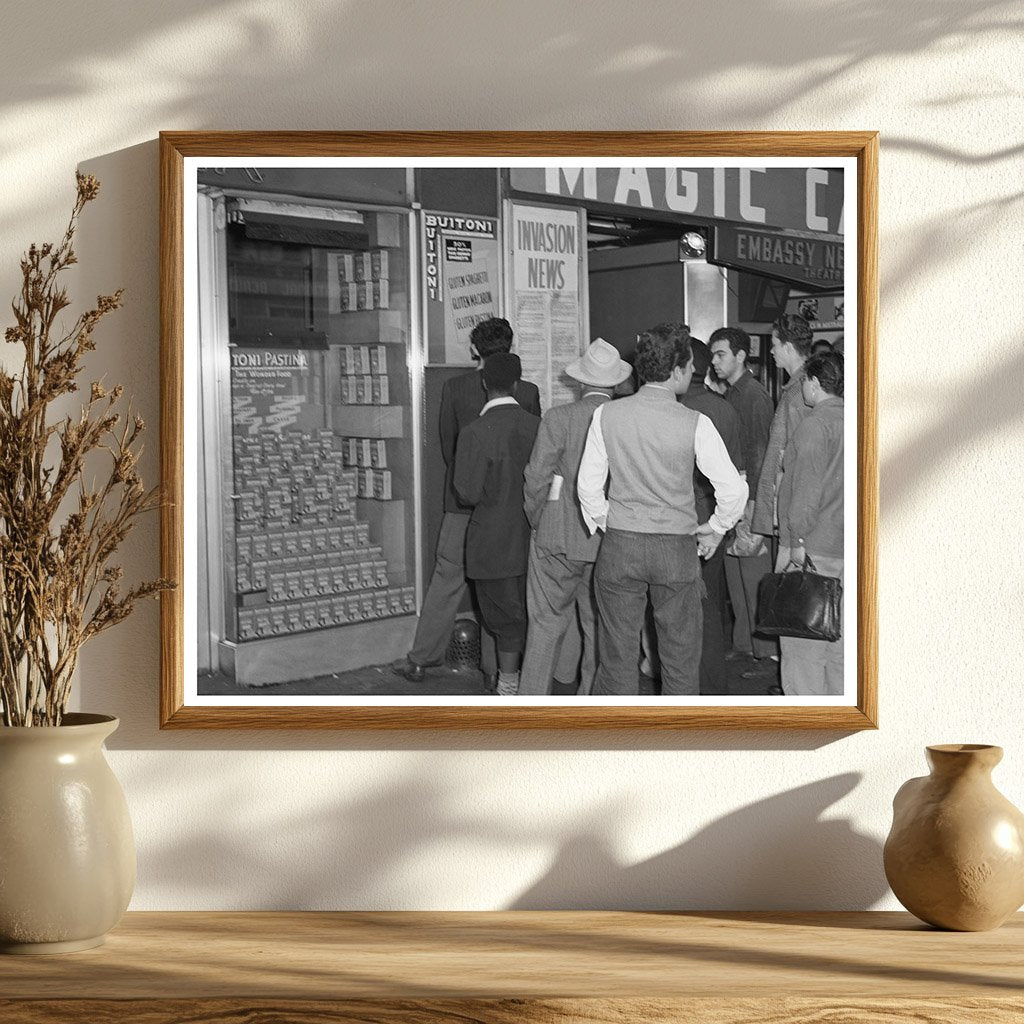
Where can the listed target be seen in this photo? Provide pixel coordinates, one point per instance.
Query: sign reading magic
(798, 198)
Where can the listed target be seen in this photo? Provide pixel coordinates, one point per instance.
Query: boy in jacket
(490, 457)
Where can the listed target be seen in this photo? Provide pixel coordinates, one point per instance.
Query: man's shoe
(737, 655)
(409, 670)
(775, 691)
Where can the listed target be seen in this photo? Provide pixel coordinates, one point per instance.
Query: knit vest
(649, 438)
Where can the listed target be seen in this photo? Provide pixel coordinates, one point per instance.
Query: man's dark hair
(796, 330)
(821, 345)
(828, 369)
(660, 350)
(739, 340)
(491, 336)
(500, 372)
(701, 358)
(676, 328)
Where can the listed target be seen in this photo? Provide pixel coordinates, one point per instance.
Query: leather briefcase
(802, 603)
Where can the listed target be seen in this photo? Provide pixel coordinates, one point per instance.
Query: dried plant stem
(58, 586)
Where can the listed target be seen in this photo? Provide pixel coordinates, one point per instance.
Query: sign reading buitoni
(461, 275)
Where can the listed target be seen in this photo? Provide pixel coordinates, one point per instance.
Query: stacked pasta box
(303, 562)
(363, 280)
(364, 379)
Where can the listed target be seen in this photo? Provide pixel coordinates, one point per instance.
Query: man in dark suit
(490, 458)
(462, 399)
(747, 559)
(713, 678)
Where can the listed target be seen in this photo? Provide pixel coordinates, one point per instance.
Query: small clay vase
(955, 854)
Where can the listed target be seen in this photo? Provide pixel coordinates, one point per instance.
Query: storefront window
(319, 545)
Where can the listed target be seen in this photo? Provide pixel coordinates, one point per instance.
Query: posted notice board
(460, 279)
(546, 247)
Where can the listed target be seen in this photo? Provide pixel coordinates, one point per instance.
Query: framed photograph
(519, 430)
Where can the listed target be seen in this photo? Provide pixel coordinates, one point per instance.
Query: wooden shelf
(549, 967)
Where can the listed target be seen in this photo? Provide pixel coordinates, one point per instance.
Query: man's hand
(745, 544)
(708, 540)
(796, 559)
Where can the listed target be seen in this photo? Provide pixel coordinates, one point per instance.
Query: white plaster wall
(465, 821)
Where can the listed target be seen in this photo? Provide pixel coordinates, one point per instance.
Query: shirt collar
(504, 400)
(795, 380)
(832, 402)
(658, 391)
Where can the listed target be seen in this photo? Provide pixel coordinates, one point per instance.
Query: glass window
(319, 547)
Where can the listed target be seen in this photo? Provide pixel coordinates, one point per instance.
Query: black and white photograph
(521, 432)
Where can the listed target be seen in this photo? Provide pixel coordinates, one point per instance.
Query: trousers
(812, 668)
(444, 596)
(503, 610)
(742, 576)
(557, 588)
(632, 568)
(713, 677)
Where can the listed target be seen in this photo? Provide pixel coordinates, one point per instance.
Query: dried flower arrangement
(58, 587)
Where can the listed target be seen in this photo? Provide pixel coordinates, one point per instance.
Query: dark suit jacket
(489, 461)
(558, 452)
(462, 398)
(727, 423)
(755, 410)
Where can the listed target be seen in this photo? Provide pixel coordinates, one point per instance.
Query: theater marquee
(813, 261)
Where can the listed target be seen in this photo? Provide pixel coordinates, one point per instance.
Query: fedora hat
(600, 366)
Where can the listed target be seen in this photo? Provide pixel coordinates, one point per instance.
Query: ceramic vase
(67, 854)
(955, 854)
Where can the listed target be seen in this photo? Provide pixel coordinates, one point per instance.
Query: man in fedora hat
(562, 555)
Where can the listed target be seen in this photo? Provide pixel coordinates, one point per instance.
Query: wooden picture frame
(181, 150)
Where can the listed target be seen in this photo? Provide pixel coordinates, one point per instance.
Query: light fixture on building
(307, 211)
(693, 245)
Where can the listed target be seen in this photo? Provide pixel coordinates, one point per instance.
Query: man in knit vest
(644, 448)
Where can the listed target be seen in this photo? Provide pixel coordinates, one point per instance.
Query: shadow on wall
(418, 843)
(298, 57)
(990, 404)
(776, 854)
(310, 65)
(941, 242)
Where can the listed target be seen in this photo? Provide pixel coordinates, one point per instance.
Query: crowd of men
(620, 530)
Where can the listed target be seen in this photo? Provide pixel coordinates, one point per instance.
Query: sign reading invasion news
(546, 297)
(460, 266)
